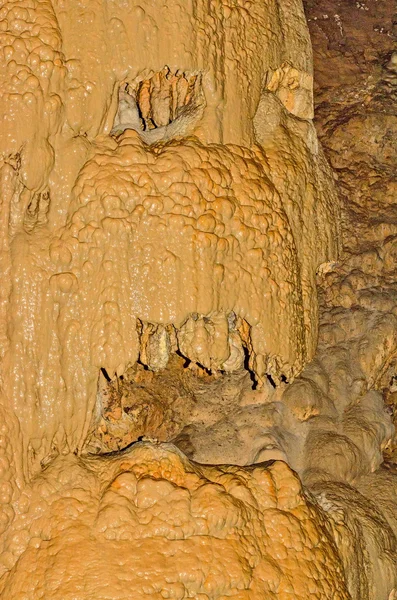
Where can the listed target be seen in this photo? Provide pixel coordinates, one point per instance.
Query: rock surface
(168, 219)
(151, 521)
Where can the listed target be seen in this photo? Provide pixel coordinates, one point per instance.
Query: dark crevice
(248, 369)
(105, 374)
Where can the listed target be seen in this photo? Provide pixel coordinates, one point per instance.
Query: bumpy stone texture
(118, 250)
(356, 83)
(152, 522)
(184, 230)
(356, 121)
(207, 246)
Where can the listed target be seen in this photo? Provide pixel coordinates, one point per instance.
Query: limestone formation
(109, 237)
(152, 522)
(197, 313)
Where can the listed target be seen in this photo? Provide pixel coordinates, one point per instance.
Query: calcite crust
(152, 522)
(184, 229)
(167, 220)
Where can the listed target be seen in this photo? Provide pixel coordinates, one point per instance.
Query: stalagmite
(191, 361)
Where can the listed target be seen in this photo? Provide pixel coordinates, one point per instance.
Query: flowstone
(166, 216)
(150, 521)
(154, 206)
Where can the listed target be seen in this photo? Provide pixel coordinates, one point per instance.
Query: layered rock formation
(168, 219)
(119, 248)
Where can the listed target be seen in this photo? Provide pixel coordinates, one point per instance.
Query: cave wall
(187, 282)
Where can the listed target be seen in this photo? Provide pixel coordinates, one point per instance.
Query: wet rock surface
(151, 521)
(113, 335)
